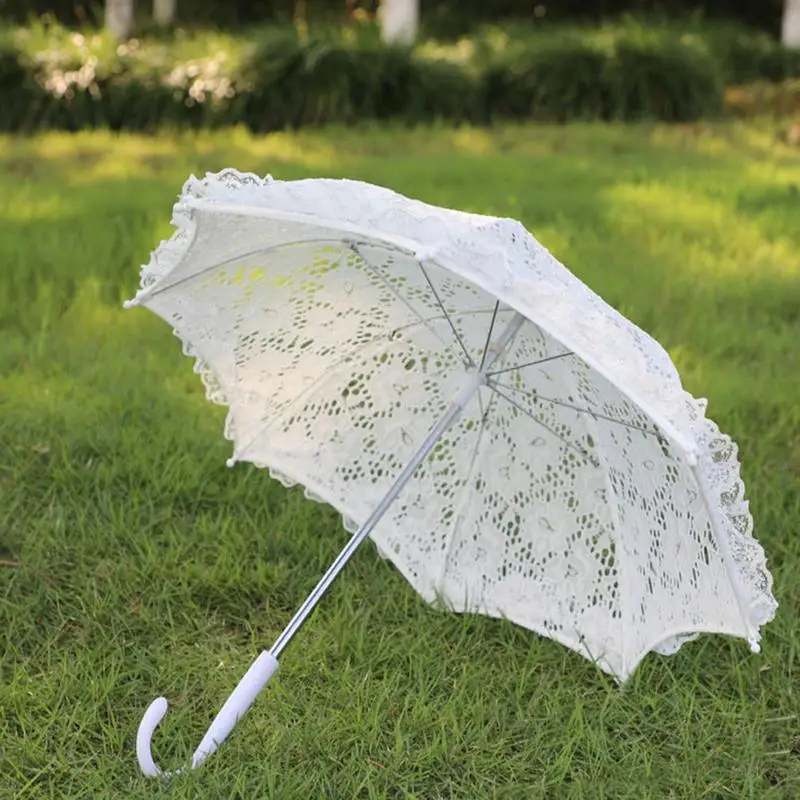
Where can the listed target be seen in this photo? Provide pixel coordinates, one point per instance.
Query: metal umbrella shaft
(265, 665)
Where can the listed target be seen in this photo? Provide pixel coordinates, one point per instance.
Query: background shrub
(293, 83)
(441, 17)
(274, 79)
(663, 78)
(559, 79)
(16, 87)
(746, 55)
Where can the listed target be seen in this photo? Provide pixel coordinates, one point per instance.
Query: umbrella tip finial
(231, 462)
(133, 302)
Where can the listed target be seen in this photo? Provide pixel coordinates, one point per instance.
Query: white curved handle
(240, 699)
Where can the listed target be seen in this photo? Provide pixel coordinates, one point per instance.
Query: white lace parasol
(578, 491)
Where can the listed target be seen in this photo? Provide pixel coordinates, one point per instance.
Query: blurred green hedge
(441, 17)
(54, 79)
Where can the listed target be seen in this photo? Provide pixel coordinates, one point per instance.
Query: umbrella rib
(449, 319)
(228, 261)
(464, 489)
(589, 411)
(362, 346)
(530, 364)
(282, 412)
(544, 425)
(309, 390)
(376, 272)
(489, 334)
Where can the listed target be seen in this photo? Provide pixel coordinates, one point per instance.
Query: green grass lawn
(134, 563)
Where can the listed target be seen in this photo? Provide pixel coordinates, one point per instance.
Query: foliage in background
(763, 97)
(281, 77)
(623, 74)
(441, 17)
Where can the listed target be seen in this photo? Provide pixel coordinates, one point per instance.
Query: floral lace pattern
(477, 259)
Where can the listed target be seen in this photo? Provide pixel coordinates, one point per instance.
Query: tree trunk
(119, 18)
(399, 21)
(790, 30)
(164, 12)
